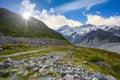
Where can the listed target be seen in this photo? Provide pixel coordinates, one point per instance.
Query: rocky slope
(32, 42)
(48, 66)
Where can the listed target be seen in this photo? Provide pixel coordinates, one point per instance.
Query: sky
(57, 13)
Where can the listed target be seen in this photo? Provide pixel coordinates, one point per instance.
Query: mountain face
(103, 37)
(13, 25)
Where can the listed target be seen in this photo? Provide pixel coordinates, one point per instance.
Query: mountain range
(88, 35)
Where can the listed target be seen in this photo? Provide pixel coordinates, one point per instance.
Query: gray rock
(97, 74)
(69, 64)
(84, 62)
(36, 69)
(32, 65)
(49, 63)
(76, 76)
(7, 64)
(40, 65)
(45, 66)
(51, 70)
(8, 60)
(1, 49)
(1, 65)
(42, 70)
(14, 70)
(25, 73)
(110, 78)
(20, 71)
(2, 72)
(95, 78)
(68, 77)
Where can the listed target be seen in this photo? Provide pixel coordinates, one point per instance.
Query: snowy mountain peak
(63, 27)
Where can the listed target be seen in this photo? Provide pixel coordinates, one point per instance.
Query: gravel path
(21, 53)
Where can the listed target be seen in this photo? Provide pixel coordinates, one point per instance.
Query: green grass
(14, 48)
(50, 49)
(95, 55)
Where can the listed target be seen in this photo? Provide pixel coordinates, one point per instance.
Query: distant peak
(63, 27)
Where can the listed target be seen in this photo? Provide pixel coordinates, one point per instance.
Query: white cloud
(48, 17)
(55, 21)
(78, 4)
(98, 20)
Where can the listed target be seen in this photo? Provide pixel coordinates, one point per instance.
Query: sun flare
(26, 15)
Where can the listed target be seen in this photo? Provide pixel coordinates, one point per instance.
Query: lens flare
(26, 15)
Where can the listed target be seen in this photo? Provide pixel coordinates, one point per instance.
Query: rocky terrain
(30, 41)
(47, 67)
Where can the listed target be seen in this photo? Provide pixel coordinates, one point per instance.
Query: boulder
(2, 72)
(42, 70)
(51, 70)
(20, 71)
(1, 49)
(68, 77)
(110, 78)
(45, 66)
(84, 62)
(76, 76)
(7, 64)
(40, 65)
(69, 64)
(49, 63)
(1, 65)
(8, 60)
(32, 65)
(95, 78)
(14, 70)
(25, 73)
(35, 69)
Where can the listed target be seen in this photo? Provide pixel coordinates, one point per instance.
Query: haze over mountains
(103, 37)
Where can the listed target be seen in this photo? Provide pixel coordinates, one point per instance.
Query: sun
(26, 15)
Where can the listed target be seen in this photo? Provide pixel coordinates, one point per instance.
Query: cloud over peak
(52, 20)
(98, 20)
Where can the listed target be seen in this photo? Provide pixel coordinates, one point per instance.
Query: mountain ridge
(13, 25)
(10, 21)
(92, 36)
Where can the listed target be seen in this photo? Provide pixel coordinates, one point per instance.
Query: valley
(33, 51)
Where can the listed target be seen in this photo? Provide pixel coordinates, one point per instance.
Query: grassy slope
(14, 48)
(79, 54)
(91, 56)
(12, 24)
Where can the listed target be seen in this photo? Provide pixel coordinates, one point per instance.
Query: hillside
(13, 25)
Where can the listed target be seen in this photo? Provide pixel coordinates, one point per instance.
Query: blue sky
(68, 12)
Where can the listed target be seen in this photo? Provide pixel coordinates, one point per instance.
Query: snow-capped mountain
(72, 33)
(92, 36)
